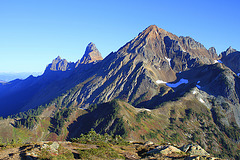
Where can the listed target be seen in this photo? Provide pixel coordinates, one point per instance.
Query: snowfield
(201, 100)
(169, 61)
(194, 91)
(160, 82)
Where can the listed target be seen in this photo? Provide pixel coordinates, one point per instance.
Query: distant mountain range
(7, 77)
(156, 84)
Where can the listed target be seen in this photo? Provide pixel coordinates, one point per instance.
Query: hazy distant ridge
(6, 77)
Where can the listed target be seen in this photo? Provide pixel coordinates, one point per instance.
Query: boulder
(53, 148)
(164, 150)
(194, 149)
(148, 143)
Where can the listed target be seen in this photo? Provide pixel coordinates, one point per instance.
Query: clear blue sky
(33, 32)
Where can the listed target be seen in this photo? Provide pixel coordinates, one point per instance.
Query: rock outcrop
(59, 64)
(165, 150)
(194, 150)
(212, 51)
(231, 58)
(69, 150)
(91, 54)
(227, 52)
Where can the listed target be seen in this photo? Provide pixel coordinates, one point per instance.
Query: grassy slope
(182, 121)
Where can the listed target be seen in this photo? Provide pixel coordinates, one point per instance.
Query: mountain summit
(59, 64)
(91, 54)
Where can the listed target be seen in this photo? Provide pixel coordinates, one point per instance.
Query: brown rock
(91, 54)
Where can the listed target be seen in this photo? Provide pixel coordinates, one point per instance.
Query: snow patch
(195, 91)
(174, 85)
(217, 61)
(169, 61)
(160, 82)
(147, 110)
(201, 100)
(144, 109)
(198, 86)
(182, 49)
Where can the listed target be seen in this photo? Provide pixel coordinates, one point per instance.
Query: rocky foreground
(72, 150)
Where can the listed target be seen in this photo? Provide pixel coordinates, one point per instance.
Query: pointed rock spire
(91, 54)
(212, 51)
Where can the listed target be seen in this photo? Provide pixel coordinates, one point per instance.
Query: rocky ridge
(69, 150)
(154, 54)
(231, 58)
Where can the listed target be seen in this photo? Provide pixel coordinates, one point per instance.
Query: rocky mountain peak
(58, 59)
(153, 32)
(59, 64)
(91, 54)
(152, 38)
(228, 51)
(212, 51)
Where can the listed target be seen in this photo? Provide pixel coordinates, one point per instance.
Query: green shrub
(142, 115)
(93, 138)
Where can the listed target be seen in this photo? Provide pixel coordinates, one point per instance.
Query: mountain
(36, 91)
(133, 72)
(231, 58)
(7, 77)
(157, 87)
(59, 64)
(91, 54)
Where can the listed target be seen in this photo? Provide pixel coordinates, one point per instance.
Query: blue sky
(33, 32)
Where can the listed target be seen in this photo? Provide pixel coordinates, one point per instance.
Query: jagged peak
(60, 60)
(153, 29)
(228, 51)
(59, 64)
(57, 59)
(91, 54)
(149, 35)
